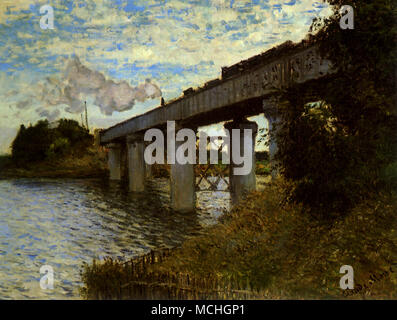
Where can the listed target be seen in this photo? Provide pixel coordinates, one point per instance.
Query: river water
(62, 223)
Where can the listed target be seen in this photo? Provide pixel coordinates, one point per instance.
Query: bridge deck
(238, 93)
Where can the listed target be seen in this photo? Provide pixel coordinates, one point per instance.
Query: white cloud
(78, 82)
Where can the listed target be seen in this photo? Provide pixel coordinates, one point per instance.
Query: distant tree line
(42, 142)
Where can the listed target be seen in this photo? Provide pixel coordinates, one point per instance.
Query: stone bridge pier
(240, 185)
(182, 177)
(183, 182)
(114, 161)
(136, 163)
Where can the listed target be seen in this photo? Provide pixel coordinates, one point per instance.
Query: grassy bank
(88, 164)
(265, 249)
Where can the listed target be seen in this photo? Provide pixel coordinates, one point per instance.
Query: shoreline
(90, 165)
(62, 173)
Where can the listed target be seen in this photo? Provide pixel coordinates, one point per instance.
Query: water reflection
(65, 222)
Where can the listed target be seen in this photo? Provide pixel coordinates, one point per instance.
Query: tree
(32, 143)
(72, 130)
(335, 151)
(40, 142)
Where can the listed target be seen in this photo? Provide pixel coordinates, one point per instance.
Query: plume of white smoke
(79, 81)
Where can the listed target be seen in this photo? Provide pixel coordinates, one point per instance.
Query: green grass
(262, 168)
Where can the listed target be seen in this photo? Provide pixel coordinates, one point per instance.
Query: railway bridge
(245, 89)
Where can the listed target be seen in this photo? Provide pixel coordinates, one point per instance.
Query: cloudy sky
(121, 55)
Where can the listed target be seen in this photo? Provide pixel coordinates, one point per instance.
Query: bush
(389, 176)
(60, 146)
(338, 134)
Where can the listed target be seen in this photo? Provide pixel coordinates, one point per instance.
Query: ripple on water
(65, 222)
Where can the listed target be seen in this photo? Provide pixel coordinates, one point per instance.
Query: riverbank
(265, 249)
(91, 164)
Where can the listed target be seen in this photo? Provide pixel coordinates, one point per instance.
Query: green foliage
(335, 150)
(31, 144)
(59, 147)
(389, 175)
(263, 168)
(5, 160)
(71, 130)
(262, 155)
(40, 142)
